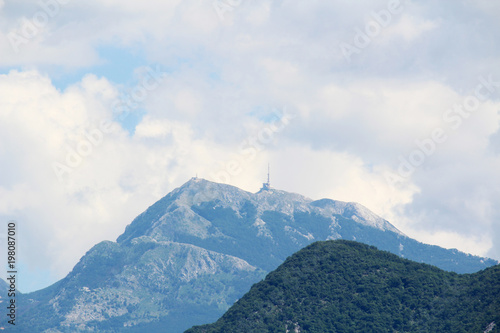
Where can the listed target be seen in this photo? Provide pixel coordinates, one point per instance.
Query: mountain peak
(198, 190)
(206, 190)
(209, 214)
(178, 213)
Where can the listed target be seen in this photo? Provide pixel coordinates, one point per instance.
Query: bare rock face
(117, 286)
(191, 255)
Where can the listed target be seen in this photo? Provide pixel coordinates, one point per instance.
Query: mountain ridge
(194, 252)
(198, 190)
(183, 215)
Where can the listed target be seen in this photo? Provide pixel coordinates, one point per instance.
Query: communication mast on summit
(266, 186)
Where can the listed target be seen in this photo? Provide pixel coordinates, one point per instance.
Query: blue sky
(406, 123)
(116, 64)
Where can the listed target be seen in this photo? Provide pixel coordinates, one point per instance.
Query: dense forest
(345, 286)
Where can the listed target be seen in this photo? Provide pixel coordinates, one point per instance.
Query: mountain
(197, 250)
(264, 228)
(4, 287)
(159, 283)
(346, 286)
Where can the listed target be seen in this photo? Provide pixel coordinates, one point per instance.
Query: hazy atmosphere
(106, 106)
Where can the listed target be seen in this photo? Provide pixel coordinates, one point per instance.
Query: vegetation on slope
(345, 286)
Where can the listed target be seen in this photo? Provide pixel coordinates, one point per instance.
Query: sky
(107, 106)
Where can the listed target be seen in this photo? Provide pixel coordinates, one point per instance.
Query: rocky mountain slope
(193, 253)
(345, 286)
(125, 287)
(265, 227)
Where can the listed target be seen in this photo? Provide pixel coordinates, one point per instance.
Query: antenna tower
(268, 182)
(267, 186)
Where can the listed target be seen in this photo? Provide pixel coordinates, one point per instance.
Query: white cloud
(119, 177)
(490, 8)
(37, 121)
(224, 79)
(153, 128)
(477, 244)
(409, 27)
(341, 176)
(259, 14)
(181, 133)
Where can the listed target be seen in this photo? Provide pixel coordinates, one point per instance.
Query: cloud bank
(220, 88)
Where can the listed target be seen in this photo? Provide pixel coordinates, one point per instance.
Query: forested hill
(345, 286)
